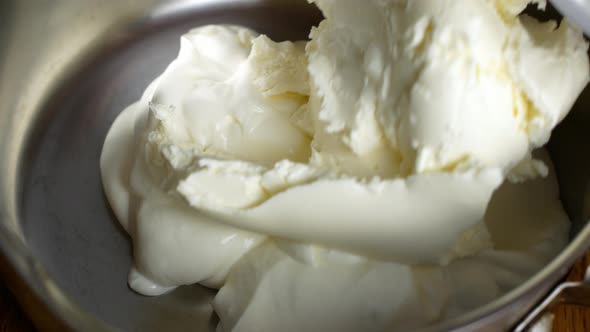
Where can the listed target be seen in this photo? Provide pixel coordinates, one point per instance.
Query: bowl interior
(66, 220)
(64, 216)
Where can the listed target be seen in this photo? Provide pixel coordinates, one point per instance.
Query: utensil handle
(570, 292)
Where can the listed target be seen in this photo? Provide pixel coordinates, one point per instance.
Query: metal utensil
(577, 11)
(576, 293)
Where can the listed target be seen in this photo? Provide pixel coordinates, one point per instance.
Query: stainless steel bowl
(67, 68)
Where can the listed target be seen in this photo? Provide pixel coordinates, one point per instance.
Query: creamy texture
(381, 175)
(363, 294)
(440, 85)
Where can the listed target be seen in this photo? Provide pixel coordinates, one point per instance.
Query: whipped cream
(379, 176)
(440, 85)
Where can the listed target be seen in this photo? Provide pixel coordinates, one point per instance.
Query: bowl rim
(45, 299)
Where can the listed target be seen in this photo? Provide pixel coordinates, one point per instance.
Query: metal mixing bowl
(67, 69)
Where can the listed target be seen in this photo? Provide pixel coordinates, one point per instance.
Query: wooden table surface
(567, 318)
(570, 318)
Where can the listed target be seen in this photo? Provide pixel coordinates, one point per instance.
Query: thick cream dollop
(354, 182)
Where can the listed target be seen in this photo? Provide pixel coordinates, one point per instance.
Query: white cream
(168, 236)
(355, 182)
(441, 85)
(297, 289)
(224, 97)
